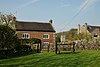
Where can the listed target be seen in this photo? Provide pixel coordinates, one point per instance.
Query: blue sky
(66, 14)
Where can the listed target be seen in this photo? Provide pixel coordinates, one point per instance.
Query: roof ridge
(30, 22)
(94, 26)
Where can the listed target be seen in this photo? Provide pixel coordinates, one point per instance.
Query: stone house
(88, 29)
(41, 30)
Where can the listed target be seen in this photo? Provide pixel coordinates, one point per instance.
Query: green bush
(8, 38)
(23, 49)
(30, 41)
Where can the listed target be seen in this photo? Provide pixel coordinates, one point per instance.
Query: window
(46, 36)
(25, 36)
(45, 43)
(90, 27)
(95, 35)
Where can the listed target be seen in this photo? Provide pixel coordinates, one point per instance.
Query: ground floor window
(96, 35)
(45, 43)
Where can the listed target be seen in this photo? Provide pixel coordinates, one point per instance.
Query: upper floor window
(46, 36)
(25, 36)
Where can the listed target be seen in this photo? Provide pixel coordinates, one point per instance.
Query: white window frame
(95, 34)
(25, 34)
(45, 43)
(45, 35)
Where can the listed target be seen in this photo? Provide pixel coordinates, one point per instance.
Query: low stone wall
(88, 45)
(82, 45)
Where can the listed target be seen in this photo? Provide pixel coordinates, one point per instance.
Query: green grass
(86, 58)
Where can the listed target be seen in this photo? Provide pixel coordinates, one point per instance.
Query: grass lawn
(86, 58)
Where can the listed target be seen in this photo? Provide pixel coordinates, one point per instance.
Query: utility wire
(74, 16)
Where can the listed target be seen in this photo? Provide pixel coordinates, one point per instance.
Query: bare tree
(8, 20)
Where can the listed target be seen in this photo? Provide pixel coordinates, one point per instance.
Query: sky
(66, 14)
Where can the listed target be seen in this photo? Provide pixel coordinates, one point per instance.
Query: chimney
(79, 29)
(86, 24)
(86, 29)
(50, 21)
(14, 22)
(14, 18)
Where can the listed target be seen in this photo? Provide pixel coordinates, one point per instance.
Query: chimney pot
(50, 21)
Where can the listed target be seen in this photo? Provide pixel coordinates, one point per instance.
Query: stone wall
(88, 45)
(81, 45)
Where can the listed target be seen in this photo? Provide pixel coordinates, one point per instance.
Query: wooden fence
(61, 46)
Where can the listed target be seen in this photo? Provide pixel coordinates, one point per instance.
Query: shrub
(23, 49)
(7, 38)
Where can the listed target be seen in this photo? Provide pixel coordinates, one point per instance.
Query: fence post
(48, 47)
(38, 48)
(56, 48)
(73, 47)
(59, 48)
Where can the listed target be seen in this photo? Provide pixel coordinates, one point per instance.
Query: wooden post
(73, 47)
(59, 49)
(56, 48)
(40, 47)
(48, 47)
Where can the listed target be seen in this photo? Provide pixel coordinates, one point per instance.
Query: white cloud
(27, 4)
(65, 5)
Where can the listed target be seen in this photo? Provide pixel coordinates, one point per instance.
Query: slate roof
(92, 28)
(34, 26)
